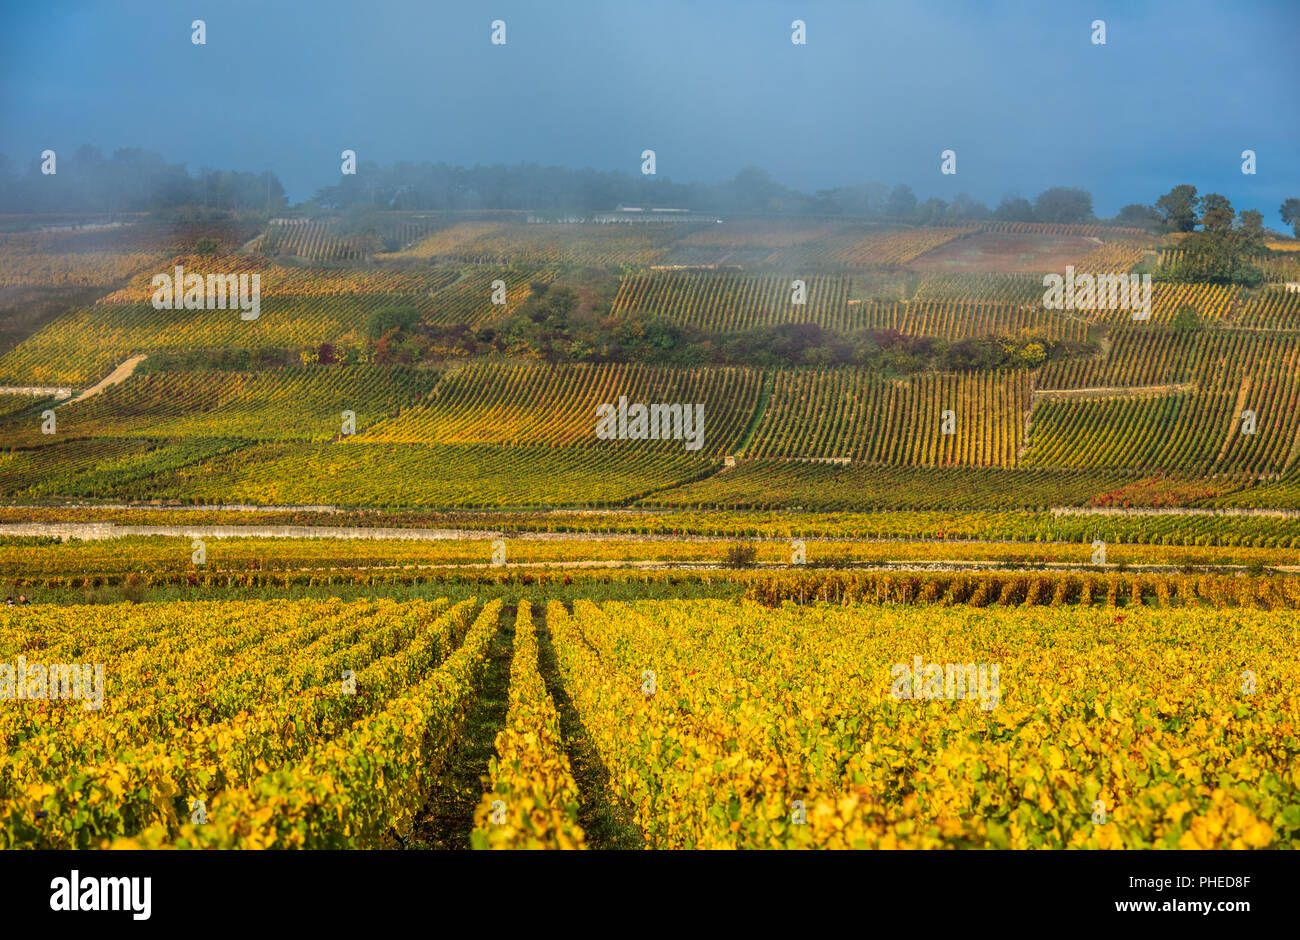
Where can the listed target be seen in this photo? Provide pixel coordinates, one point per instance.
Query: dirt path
(448, 817)
(120, 374)
(1171, 511)
(937, 566)
(605, 824)
(1098, 391)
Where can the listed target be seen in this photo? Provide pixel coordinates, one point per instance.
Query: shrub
(741, 556)
(134, 588)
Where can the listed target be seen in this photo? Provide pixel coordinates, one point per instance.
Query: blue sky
(880, 89)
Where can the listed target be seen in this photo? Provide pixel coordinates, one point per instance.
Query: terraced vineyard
(303, 238)
(546, 244)
(488, 403)
(831, 487)
(468, 298)
(1014, 289)
(733, 302)
(1199, 430)
(86, 343)
(727, 302)
(324, 240)
(858, 416)
(405, 475)
(955, 319)
(1051, 228)
(289, 280)
(893, 249)
(294, 404)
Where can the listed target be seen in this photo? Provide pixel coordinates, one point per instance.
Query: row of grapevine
(1136, 356)
(359, 788)
(212, 471)
(892, 249)
(1281, 266)
(957, 319)
(1113, 257)
(1199, 432)
(324, 240)
(1272, 308)
(1048, 228)
(468, 299)
(1192, 595)
(1144, 356)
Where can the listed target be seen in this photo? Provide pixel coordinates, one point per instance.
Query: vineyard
(1200, 431)
(732, 302)
(556, 405)
(302, 238)
(859, 416)
(727, 302)
(324, 240)
(251, 561)
(830, 487)
(956, 320)
(1156, 410)
(294, 404)
(86, 343)
(545, 244)
(329, 724)
(403, 475)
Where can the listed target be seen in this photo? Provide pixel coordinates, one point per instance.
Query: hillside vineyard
(502, 534)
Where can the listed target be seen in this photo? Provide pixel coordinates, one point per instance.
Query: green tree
(1138, 216)
(1014, 209)
(932, 211)
(1290, 212)
(1186, 320)
(1217, 214)
(902, 202)
(1250, 233)
(1063, 205)
(401, 319)
(1178, 207)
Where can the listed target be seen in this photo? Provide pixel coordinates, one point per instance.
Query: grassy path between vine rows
(448, 817)
(605, 824)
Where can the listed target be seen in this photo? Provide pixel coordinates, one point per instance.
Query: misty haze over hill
(1019, 92)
